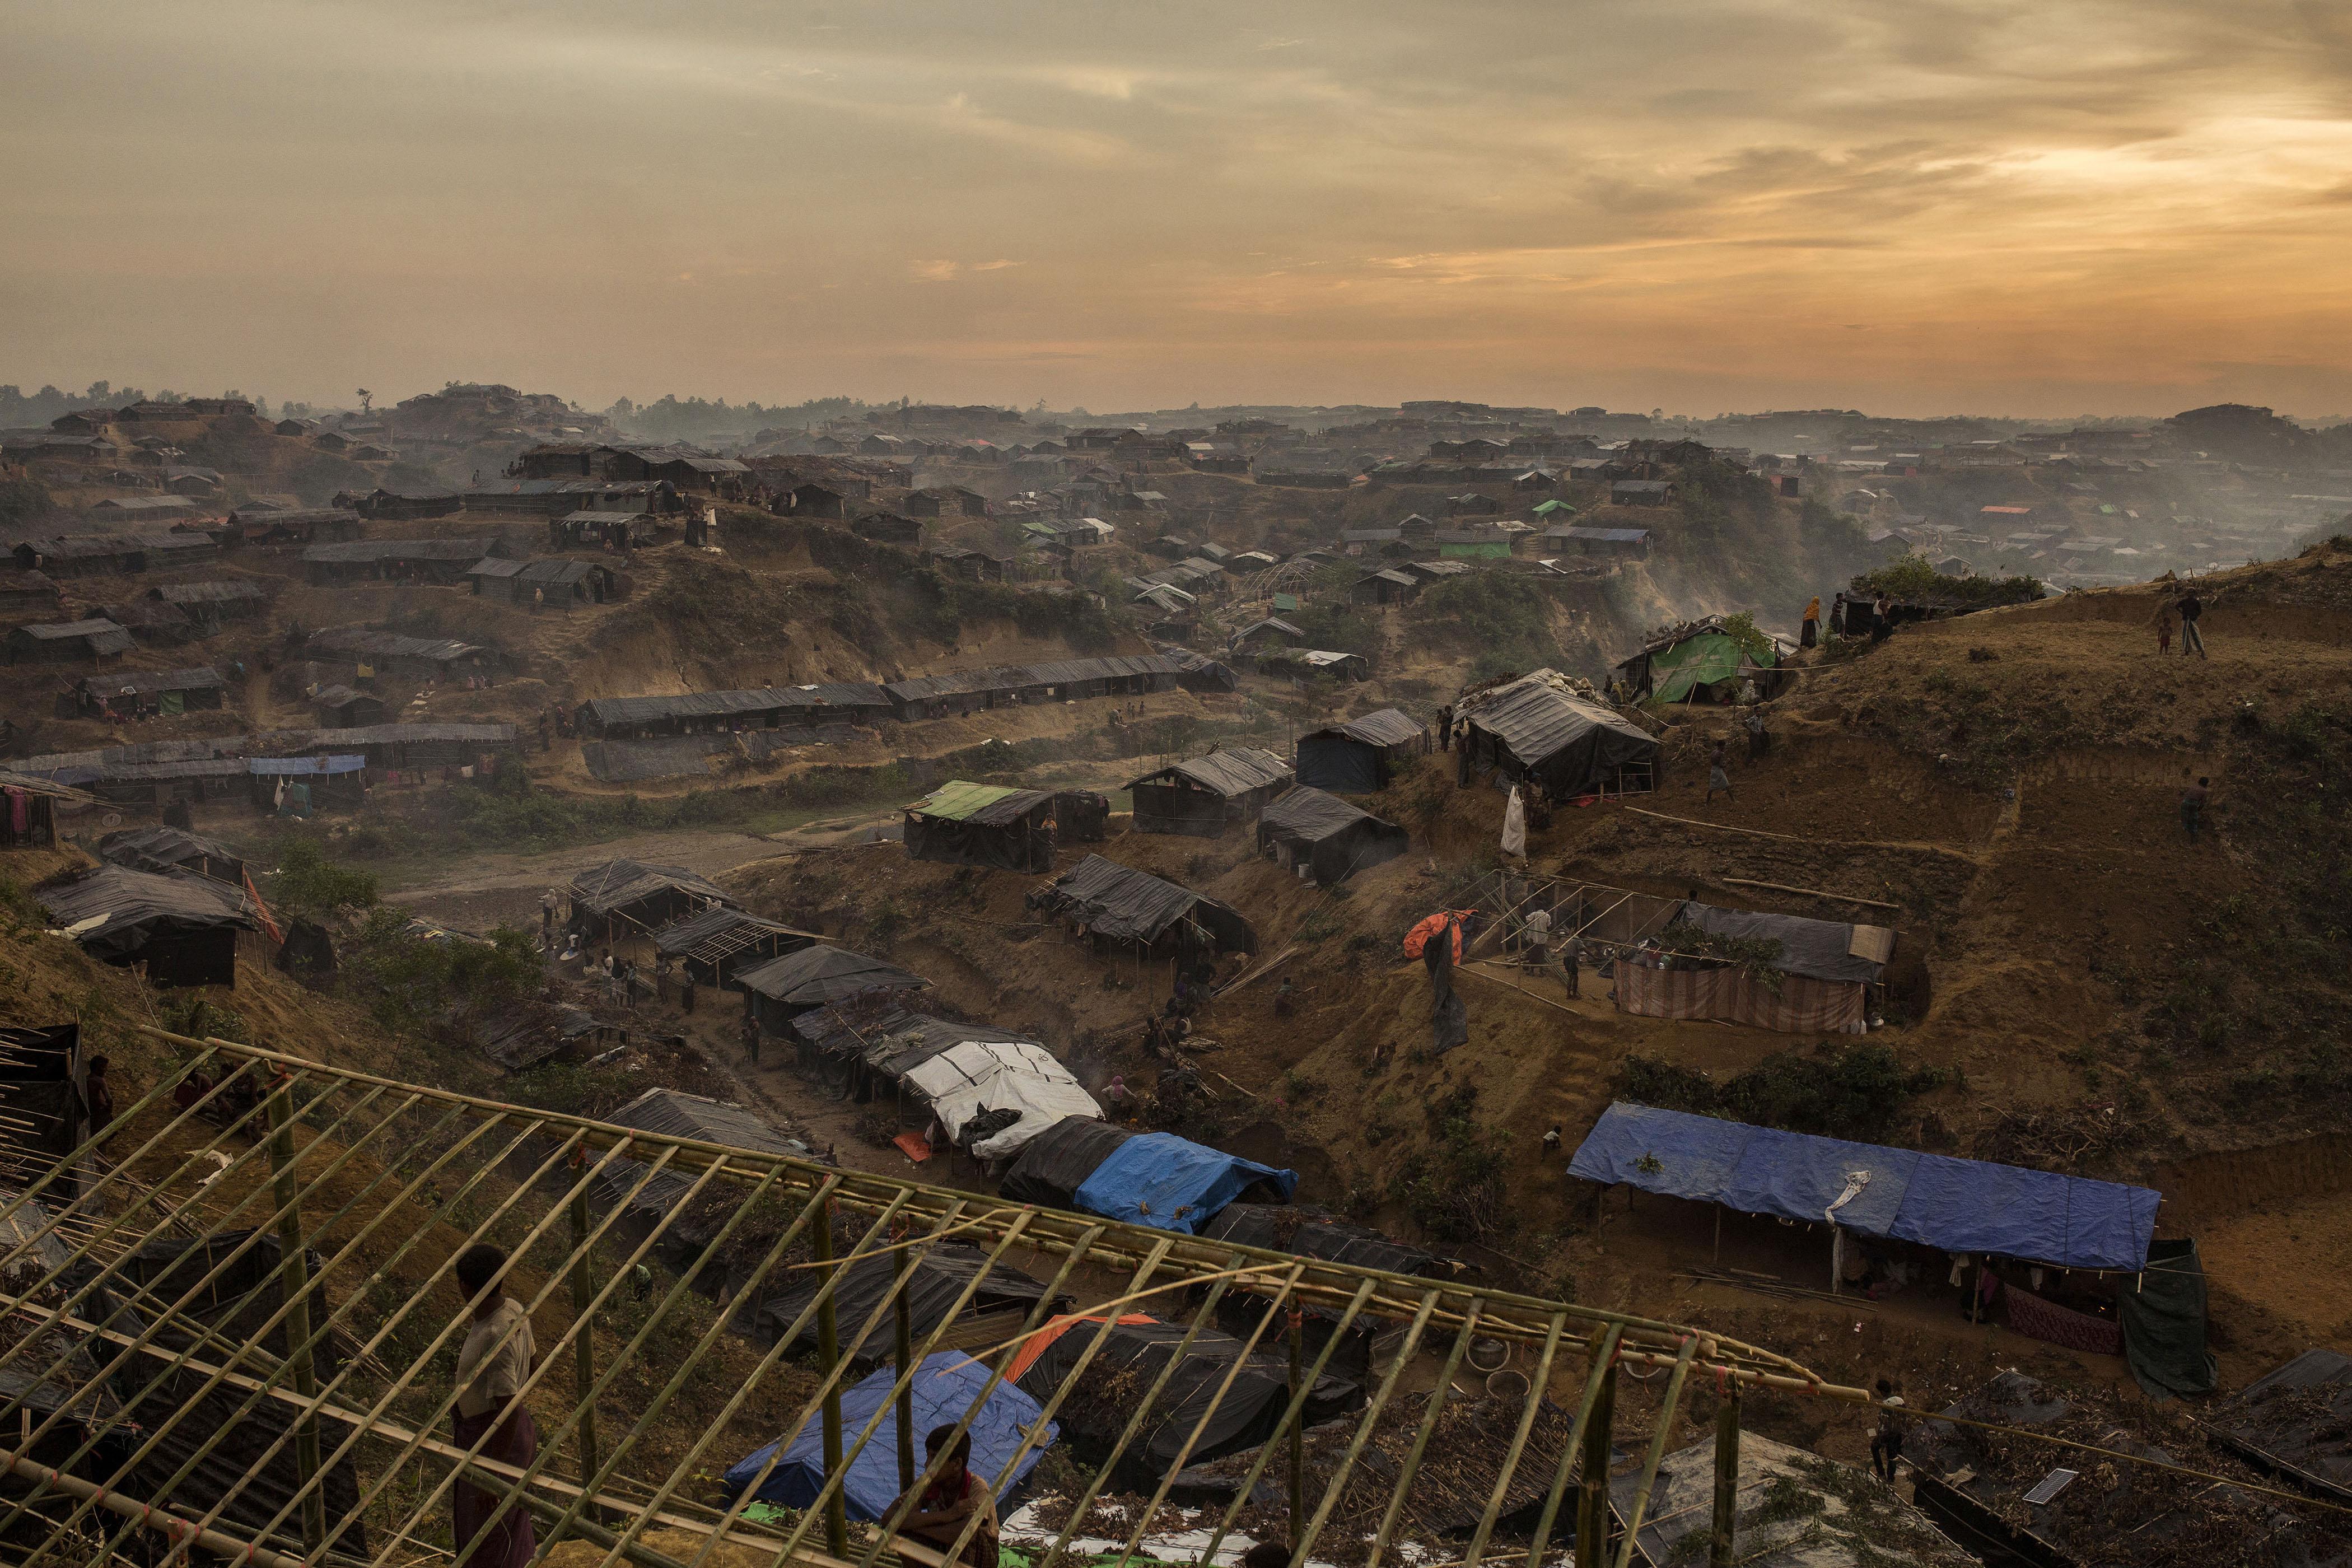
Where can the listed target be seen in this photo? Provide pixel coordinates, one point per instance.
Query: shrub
(1455, 1189)
(1910, 577)
(1835, 1092)
(307, 883)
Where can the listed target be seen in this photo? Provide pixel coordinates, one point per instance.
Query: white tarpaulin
(1515, 825)
(1001, 1075)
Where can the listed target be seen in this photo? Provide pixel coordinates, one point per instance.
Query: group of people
(2185, 612)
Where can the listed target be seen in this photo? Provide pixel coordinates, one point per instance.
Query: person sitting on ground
(937, 1513)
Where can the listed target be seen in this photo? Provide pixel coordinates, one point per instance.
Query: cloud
(993, 266)
(934, 271)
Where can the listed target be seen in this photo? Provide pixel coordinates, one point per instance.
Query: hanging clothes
(1515, 825)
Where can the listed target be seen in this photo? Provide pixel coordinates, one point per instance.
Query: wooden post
(293, 1284)
(901, 1262)
(1298, 1433)
(1727, 1474)
(583, 1352)
(1593, 1478)
(828, 1351)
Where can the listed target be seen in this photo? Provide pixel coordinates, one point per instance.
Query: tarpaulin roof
(1133, 1352)
(1822, 950)
(1536, 720)
(822, 974)
(677, 1114)
(154, 848)
(1958, 1205)
(112, 909)
(718, 932)
(1058, 1161)
(201, 679)
(1173, 1183)
(1310, 1233)
(105, 636)
(381, 643)
(1598, 535)
(1126, 904)
(1307, 814)
(1229, 770)
(942, 1389)
(975, 1077)
(614, 884)
(305, 767)
(1704, 659)
(887, 1037)
(1385, 727)
(940, 1276)
(990, 806)
(2296, 1418)
(361, 552)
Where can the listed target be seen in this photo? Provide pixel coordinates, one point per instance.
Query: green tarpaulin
(1702, 660)
(2163, 1313)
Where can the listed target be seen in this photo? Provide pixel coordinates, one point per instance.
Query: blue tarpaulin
(1958, 1205)
(944, 1387)
(1172, 1183)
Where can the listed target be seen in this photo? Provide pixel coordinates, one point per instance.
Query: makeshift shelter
(943, 1388)
(645, 1200)
(1155, 1179)
(1361, 755)
(1793, 1510)
(935, 1282)
(992, 1097)
(1134, 1351)
(713, 945)
(436, 560)
(170, 849)
(2162, 1317)
(1117, 904)
(340, 707)
(1323, 836)
(143, 691)
(296, 787)
(863, 1045)
(1632, 543)
(183, 928)
(1205, 795)
(782, 989)
(42, 1078)
(617, 893)
(1311, 1233)
(2016, 1500)
(67, 642)
(1081, 816)
(29, 809)
(1897, 1195)
(1537, 730)
(1701, 662)
(982, 825)
(2295, 1421)
(1823, 974)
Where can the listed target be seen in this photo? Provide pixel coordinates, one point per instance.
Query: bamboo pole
(179, 1531)
(828, 1355)
(293, 1286)
(1809, 892)
(583, 1349)
(1298, 1432)
(903, 1356)
(1727, 1478)
(1598, 1420)
(1429, 1417)
(1539, 1382)
(1661, 1436)
(1364, 1429)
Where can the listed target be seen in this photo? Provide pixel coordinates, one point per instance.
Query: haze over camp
(1306, 788)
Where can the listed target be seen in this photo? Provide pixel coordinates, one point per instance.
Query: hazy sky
(1907, 205)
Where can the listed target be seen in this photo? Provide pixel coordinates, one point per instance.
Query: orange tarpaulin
(1038, 1343)
(1418, 937)
(914, 1145)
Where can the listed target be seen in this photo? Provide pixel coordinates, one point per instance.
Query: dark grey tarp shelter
(1362, 754)
(1120, 904)
(858, 1048)
(183, 928)
(2162, 1312)
(639, 893)
(1205, 795)
(41, 1078)
(1056, 1163)
(170, 849)
(983, 824)
(1133, 1355)
(672, 1113)
(720, 940)
(1311, 1233)
(1334, 839)
(2295, 1420)
(1534, 729)
(994, 1314)
(1081, 816)
(1820, 950)
(782, 989)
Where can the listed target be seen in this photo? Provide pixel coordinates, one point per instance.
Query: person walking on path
(2192, 638)
(1571, 960)
(1446, 727)
(1810, 635)
(2164, 622)
(2192, 806)
(1719, 777)
(1886, 1441)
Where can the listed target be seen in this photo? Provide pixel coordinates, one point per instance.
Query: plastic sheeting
(1958, 1205)
(1173, 1183)
(1820, 949)
(938, 1282)
(943, 1388)
(979, 1075)
(2163, 1317)
(1058, 1161)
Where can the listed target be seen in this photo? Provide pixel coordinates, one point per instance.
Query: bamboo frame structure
(122, 1399)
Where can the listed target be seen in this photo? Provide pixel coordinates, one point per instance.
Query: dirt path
(482, 890)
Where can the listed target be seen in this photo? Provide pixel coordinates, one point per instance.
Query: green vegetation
(1455, 1189)
(1910, 577)
(1505, 615)
(23, 501)
(308, 884)
(1835, 1092)
(1758, 955)
(1339, 626)
(1742, 630)
(423, 986)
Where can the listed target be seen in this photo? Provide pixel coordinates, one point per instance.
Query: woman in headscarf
(1811, 632)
